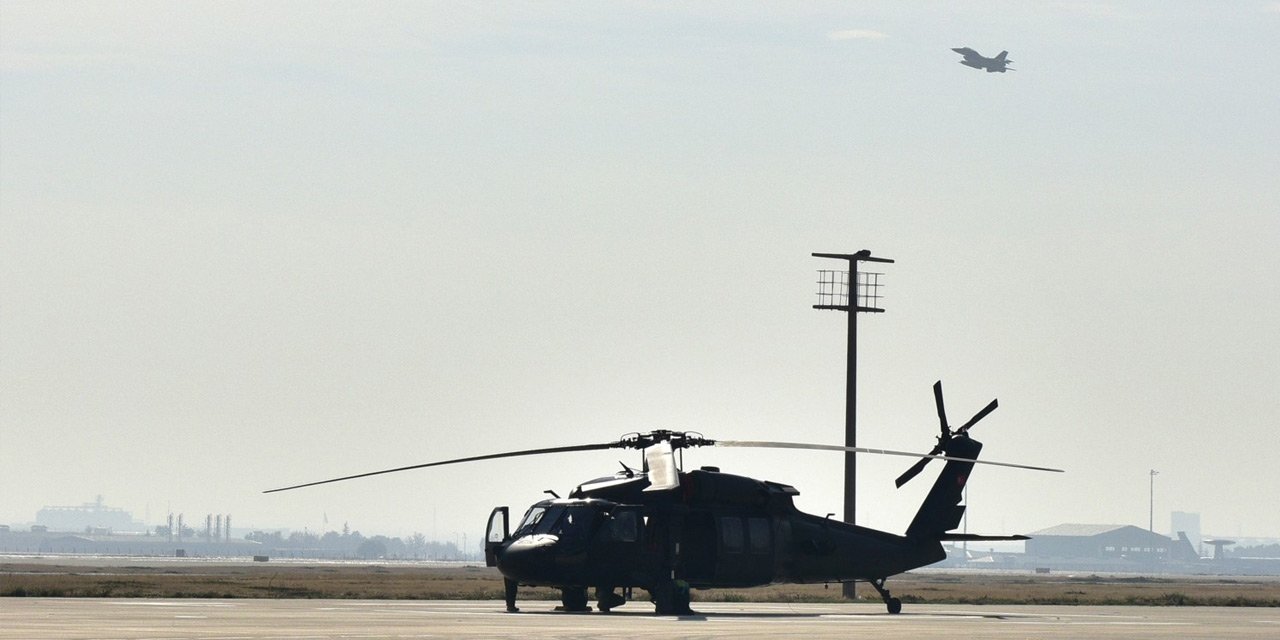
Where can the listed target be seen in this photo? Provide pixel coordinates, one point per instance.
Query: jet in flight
(998, 64)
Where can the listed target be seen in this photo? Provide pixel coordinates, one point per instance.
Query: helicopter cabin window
(624, 526)
(731, 534)
(758, 533)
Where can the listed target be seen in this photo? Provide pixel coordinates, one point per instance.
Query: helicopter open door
(497, 533)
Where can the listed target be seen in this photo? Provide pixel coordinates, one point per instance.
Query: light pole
(852, 292)
(1151, 502)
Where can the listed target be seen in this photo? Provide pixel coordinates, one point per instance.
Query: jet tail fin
(1183, 550)
(1002, 55)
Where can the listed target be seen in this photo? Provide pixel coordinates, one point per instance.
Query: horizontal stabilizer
(971, 537)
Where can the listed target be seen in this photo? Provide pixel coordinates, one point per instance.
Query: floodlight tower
(854, 292)
(1151, 502)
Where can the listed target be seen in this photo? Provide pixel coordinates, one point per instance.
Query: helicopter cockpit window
(530, 521)
(575, 523)
(549, 521)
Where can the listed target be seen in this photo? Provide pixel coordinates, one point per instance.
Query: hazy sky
(245, 245)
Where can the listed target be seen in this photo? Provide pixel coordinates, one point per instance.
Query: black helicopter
(666, 531)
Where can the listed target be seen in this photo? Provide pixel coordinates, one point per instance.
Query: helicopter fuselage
(714, 530)
(668, 531)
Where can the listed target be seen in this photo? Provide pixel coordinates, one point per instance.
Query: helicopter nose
(529, 558)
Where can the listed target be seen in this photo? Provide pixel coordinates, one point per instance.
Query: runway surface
(139, 619)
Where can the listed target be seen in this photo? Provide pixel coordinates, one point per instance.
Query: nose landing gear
(574, 599)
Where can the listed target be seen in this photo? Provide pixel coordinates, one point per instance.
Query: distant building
(40, 541)
(88, 516)
(1104, 542)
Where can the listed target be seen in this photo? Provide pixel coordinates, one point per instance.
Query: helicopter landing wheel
(672, 599)
(606, 599)
(895, 605)
(574, 599)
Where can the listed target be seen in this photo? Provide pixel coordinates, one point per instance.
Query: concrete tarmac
(140, 619)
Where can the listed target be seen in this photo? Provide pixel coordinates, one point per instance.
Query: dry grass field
(480, 583)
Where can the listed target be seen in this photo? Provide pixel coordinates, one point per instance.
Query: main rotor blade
(942, 411)
(492, 456)
(883, 452)
(978, 416)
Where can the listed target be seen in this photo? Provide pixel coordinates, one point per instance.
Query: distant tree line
(351, 544)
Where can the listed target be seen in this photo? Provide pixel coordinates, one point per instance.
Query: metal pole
(851, 414)
(1151, 502)
(851, 384)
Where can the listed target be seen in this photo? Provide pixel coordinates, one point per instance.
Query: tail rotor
(946, 435)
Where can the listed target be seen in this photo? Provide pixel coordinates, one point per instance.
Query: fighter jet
(998, 64)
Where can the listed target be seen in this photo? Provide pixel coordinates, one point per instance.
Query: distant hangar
(1099, 542)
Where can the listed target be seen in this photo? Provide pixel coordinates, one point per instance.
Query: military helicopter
(666, 530)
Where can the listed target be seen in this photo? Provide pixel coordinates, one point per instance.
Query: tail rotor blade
(978, 416)
(912, 472)
(917, 467)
